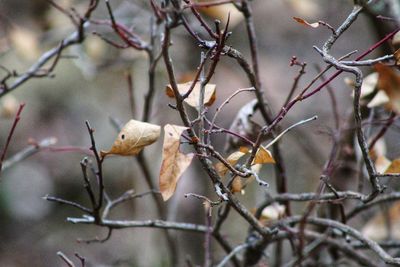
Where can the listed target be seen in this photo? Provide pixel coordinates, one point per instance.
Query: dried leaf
(232, 160)
(389, 82)
(272, 212)
(133, 137)
(369, 84)
(396, 40)
(193, 99)
(379, 149)
(239, 183)
(394, 167)
(263, 156)
(174, 162)
(243, 125)
(376, 228)
(350, 82)
(304, 22)
(221, 12)
(244, 149)
(379, 99)
(382, 164)
(396, 55)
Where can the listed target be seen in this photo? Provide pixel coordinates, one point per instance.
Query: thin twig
(233, 252)
(10, 134)
(65, 259)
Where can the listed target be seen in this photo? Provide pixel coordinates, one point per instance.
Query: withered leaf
(379, 99)
(369, 84)
(396, 55)
(243, 125)
(193, 99)
(378, 150)
(304, 22)
(133, 137)
(174, 162)
(382, 164)
(272, 213)
(239, 183)
(263, 156)
(394, 167)
(389, 82)
(376, 227)
(232, 160)
(396, 40)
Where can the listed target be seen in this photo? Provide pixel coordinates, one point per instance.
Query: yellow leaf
(221, 12)
(376, 228)
(244, 149)
(133, 137)
(394, 167)
(193, 99)
(174, 162)
(263, 156)
(304, 22)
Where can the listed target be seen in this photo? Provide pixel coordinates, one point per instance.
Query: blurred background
(91, 85)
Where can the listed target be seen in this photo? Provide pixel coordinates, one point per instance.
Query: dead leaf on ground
(306, 23)
(174, 162)
(376, 228)
(193, 99)
(263, 156)
(133, 137)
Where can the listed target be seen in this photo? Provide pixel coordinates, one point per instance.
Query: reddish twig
(10, 134)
